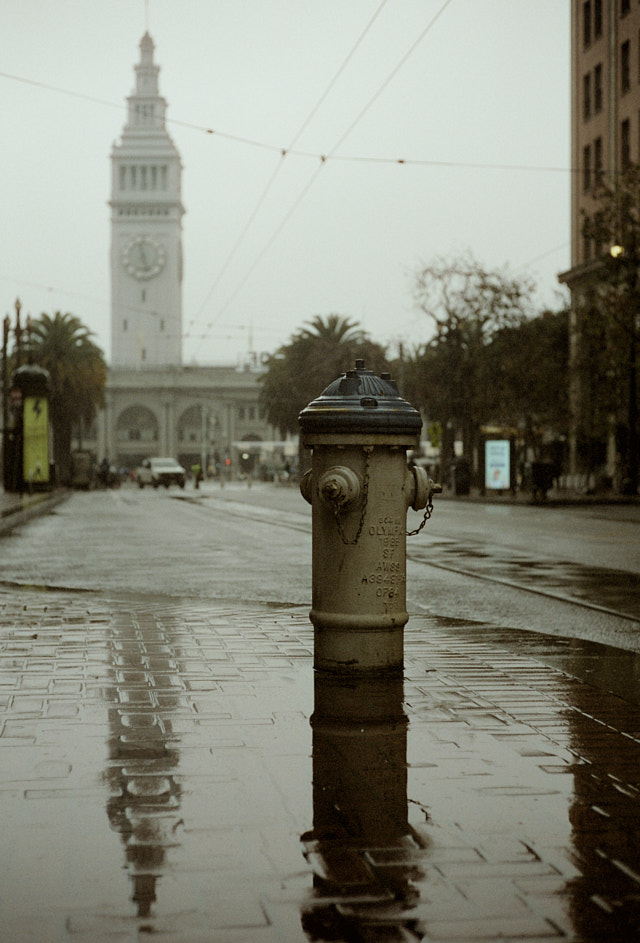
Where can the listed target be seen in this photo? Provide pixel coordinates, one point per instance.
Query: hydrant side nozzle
(423, 489)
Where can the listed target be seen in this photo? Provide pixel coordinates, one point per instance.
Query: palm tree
(299, 371)
(62, 345)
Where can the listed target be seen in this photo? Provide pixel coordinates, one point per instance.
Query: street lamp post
(633, 450)
(632, 264)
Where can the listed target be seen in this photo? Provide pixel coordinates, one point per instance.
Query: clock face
(143, 257)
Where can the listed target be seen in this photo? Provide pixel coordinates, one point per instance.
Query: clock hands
(143, 257)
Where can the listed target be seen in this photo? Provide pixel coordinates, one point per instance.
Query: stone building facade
(605, 138)
(208, 415)
(155, 405)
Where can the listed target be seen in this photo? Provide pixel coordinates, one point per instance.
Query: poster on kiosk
(497, 464)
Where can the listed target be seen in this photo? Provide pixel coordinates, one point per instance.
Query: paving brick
(176, 740)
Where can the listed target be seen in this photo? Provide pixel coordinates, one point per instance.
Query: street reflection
(605, 813)
(364, 855)
(614, 590)
(144, 805)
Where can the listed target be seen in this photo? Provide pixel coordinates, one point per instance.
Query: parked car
(160, 471)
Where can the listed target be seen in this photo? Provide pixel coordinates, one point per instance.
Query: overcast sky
(477, 104)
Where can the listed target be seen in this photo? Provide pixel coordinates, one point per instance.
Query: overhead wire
(391, 75)
(324, 158)
(544, 255)
(291, 150)
(284, 153)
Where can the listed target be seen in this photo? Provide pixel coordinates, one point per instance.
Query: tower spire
(147, 107)
(146, 70)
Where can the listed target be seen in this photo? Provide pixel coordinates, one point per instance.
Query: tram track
(565, 572)
(536, 591)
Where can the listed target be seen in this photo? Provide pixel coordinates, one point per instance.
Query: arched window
(137, 424)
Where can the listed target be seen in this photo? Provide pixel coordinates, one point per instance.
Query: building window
(625, 66)
(123, 177)
(125, 325)
(597, 88)
(240, 412)
(586, 96)
(162, 325)
(598, 169)
(133, 178)
(625, 144)
(143, 178)
(625, 7)
(597, 19)
(164, 176)
(144, 294)
(154, 177)
(586, 22)
(586, 167)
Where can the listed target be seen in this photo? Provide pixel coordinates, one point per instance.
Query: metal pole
(18, 331)
(633, 450)
(203, 438)
(5, 379)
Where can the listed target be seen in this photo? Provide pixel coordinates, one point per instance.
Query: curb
(29, 506)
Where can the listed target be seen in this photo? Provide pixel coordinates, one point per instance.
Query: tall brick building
(605, 138)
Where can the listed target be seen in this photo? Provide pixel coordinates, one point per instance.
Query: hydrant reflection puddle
(363, 852)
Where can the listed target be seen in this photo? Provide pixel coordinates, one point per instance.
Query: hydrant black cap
(359, 401)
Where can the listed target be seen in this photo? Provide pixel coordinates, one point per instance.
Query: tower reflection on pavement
(144, 806)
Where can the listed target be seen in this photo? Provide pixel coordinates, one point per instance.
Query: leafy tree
(317, 353)
(63, 346)
(609, 318)
(528, 368)
(468, 306)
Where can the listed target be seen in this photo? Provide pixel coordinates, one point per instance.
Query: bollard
(360, 487)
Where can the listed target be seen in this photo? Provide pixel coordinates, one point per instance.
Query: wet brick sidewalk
(161, 773)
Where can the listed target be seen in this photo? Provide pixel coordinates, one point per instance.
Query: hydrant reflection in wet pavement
(360, 487)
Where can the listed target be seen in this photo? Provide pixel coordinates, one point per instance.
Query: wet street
(169, 765)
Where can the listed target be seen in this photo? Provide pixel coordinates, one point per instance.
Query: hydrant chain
(427, 514)
(365, 495)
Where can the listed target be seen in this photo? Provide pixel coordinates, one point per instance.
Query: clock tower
(146, 230)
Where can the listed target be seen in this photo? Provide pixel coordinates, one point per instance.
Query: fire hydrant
(360, 487)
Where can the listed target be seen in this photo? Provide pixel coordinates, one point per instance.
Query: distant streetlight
(616, 251)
